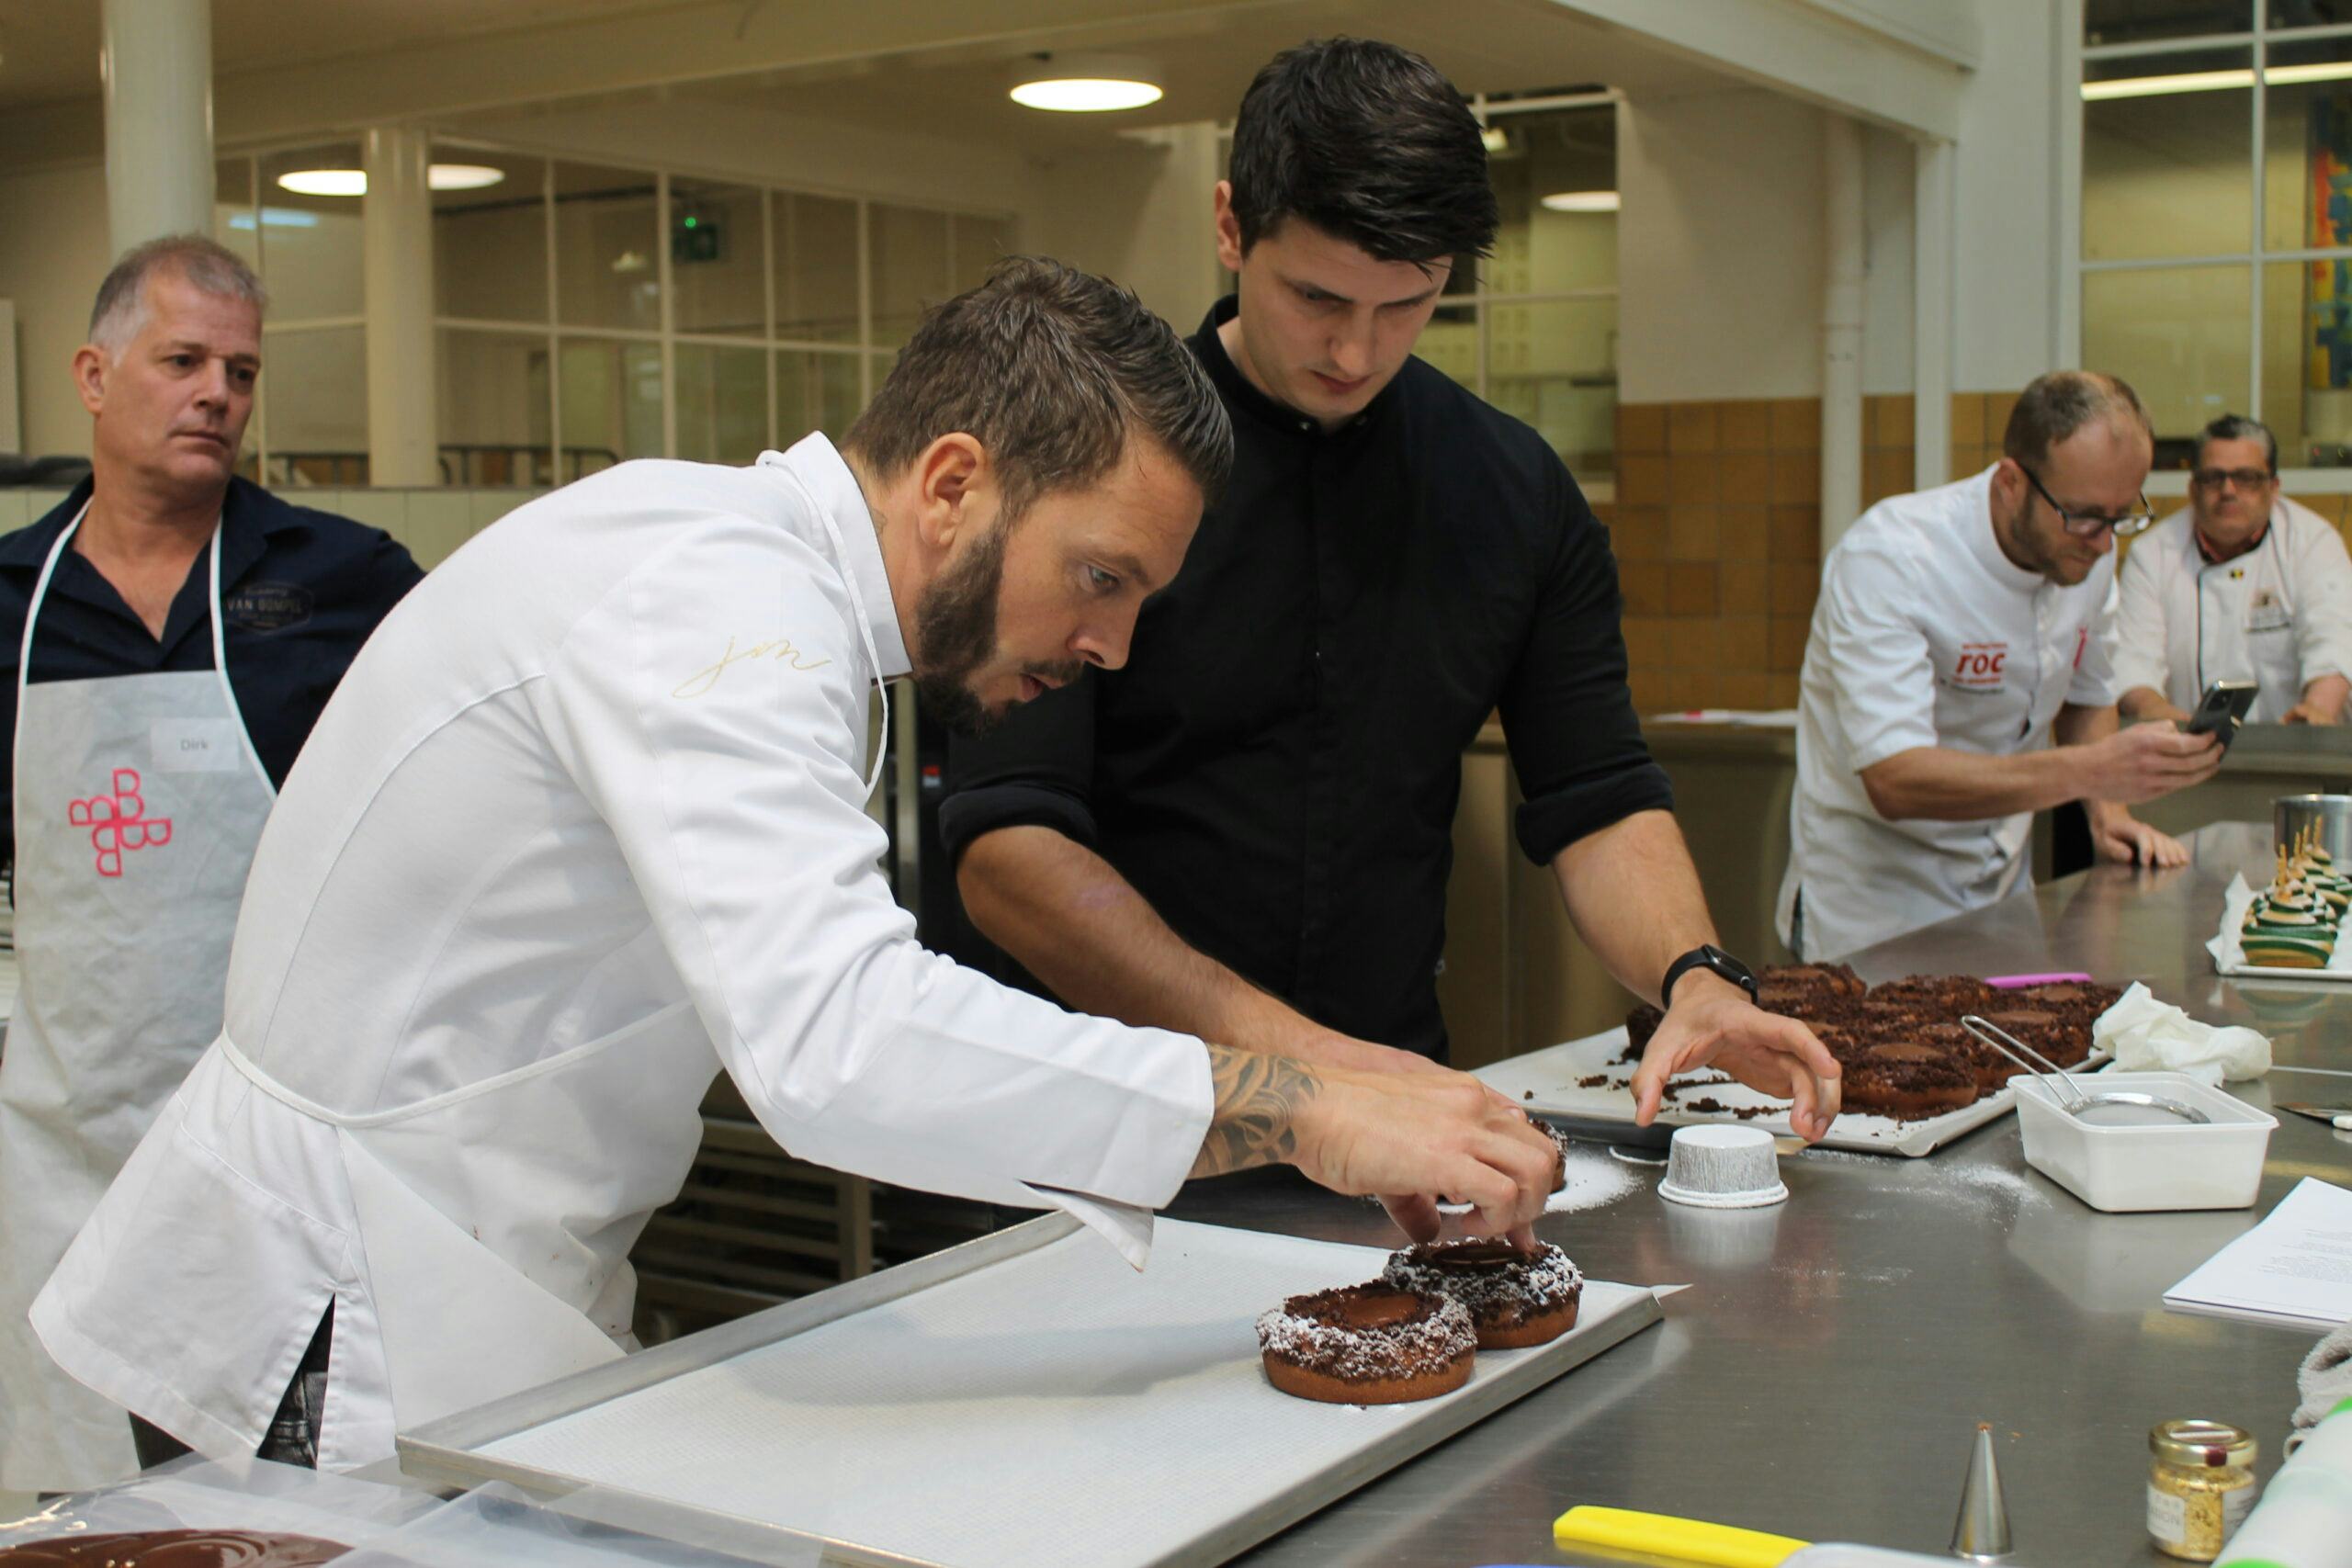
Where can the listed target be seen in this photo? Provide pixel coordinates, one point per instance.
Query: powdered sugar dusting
(1360, 1354)
(1501, 1295)
(1594, 1181)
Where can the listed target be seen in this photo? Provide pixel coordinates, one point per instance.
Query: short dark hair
(1049, 368)
(122, 305)
(2237, 427)
(1368, 143)
(2059, 402)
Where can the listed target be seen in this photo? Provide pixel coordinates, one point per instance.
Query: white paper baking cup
(1723, 1167)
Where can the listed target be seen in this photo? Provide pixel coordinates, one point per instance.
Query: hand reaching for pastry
(1713, 1023)
(1405, 1136)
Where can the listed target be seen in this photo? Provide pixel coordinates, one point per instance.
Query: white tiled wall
(431, 523)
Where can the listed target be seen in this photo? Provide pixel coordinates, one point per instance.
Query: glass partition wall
(587, 315)
(2217, 216)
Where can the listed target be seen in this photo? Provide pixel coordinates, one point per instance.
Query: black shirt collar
(249, 515)
(1240, 393)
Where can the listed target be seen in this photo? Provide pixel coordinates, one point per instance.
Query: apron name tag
(197, 746)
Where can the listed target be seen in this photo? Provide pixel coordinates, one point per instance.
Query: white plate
(1545, 1081)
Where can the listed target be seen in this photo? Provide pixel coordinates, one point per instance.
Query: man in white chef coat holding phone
(2242, 585)
(1956, 681)
(585, 826)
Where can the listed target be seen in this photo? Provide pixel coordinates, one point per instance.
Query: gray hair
(2056, 404)
(2237, 427)
(121, 307)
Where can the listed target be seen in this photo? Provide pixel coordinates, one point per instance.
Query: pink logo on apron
(118, 822)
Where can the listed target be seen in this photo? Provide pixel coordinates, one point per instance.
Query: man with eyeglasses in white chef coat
(2242, 585)
(1958, 680)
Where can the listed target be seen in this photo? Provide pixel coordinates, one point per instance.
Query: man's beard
(955, 633)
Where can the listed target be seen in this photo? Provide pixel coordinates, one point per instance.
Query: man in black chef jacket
(1245, 833)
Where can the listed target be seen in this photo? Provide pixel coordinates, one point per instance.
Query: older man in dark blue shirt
(171, 632)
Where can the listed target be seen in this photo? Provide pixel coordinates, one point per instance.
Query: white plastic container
(2171, 1165)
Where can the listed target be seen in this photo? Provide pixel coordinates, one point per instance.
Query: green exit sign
(693, 239)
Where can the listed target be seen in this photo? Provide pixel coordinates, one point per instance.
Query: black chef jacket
(299, 591)
(1276, 767)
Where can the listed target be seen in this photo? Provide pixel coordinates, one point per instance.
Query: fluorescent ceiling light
(1085, 94)
(1084, 84)
(354, 182)
(277, 217)
(1581, 201)
(325, 182)
(2216, 81)
(1494, 137)
(462, 177)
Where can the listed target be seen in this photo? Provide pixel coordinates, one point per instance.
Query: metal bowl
(2330, 815)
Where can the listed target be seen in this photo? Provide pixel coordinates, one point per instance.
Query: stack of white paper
(2294, 1268)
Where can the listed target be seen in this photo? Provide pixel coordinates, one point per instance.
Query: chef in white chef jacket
(584, 826)
(2243, 585)
(1956, 679)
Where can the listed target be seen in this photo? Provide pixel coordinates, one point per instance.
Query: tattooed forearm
(1258, 1101)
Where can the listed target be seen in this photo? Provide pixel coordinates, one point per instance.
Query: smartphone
(2222, 710)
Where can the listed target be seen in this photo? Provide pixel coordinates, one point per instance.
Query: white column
(1841, 329)
(396, 227)
(155, 62)
(1931, 275)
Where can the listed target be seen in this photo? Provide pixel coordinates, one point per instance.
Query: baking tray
(1545, 1081)
(1022, 1399)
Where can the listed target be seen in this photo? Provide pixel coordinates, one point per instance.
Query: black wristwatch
(1708, 957)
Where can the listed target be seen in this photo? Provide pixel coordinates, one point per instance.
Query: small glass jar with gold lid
(2201, 1487)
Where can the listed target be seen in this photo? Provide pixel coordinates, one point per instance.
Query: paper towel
(2147, 1035)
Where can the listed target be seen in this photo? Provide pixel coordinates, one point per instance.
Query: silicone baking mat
(1043, 1406)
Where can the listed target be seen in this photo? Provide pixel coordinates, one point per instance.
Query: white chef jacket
(1925, 634)
(2280, 614)
(584, 824)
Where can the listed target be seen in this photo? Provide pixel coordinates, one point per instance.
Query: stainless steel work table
(1824, 1376)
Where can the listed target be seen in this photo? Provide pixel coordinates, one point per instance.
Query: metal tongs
(2070, 1095)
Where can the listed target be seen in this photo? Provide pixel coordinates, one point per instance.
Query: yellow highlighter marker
(1663, 1535)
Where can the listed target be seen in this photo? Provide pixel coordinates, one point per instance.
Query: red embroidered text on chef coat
(118, 822)
(1979, 665)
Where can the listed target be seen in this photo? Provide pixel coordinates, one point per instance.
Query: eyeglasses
(2245, 479)
(2090, 524)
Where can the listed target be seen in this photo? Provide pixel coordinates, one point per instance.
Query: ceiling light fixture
(1494, 137)
(1084, 84)
(2214, 80)
(1581, 201)
(354, 182)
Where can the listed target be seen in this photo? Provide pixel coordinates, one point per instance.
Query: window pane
(2308, 12)
(910, 256)
(1570, 157)
(980, 243)
(2307, 146)
(316, 384)
(489, 243)
(612, 403)
(2307, 362)
(234, 222)
(816, 269)
(719, 264)
(722, 402)
(1451, 343)
(310, 244)
(814, 391)
(2178, 335)
(494, 402)
(606, 274)
(1555, 366)
(2138, 21)
(2169, 174)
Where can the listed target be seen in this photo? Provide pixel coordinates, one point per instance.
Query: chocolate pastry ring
(1371, 1344)
(1514, 1298)
(174, 1548)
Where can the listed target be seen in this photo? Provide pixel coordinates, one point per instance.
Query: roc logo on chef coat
(118, 822)
(1979, 666)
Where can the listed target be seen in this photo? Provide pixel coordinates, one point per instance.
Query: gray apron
(138, 800)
